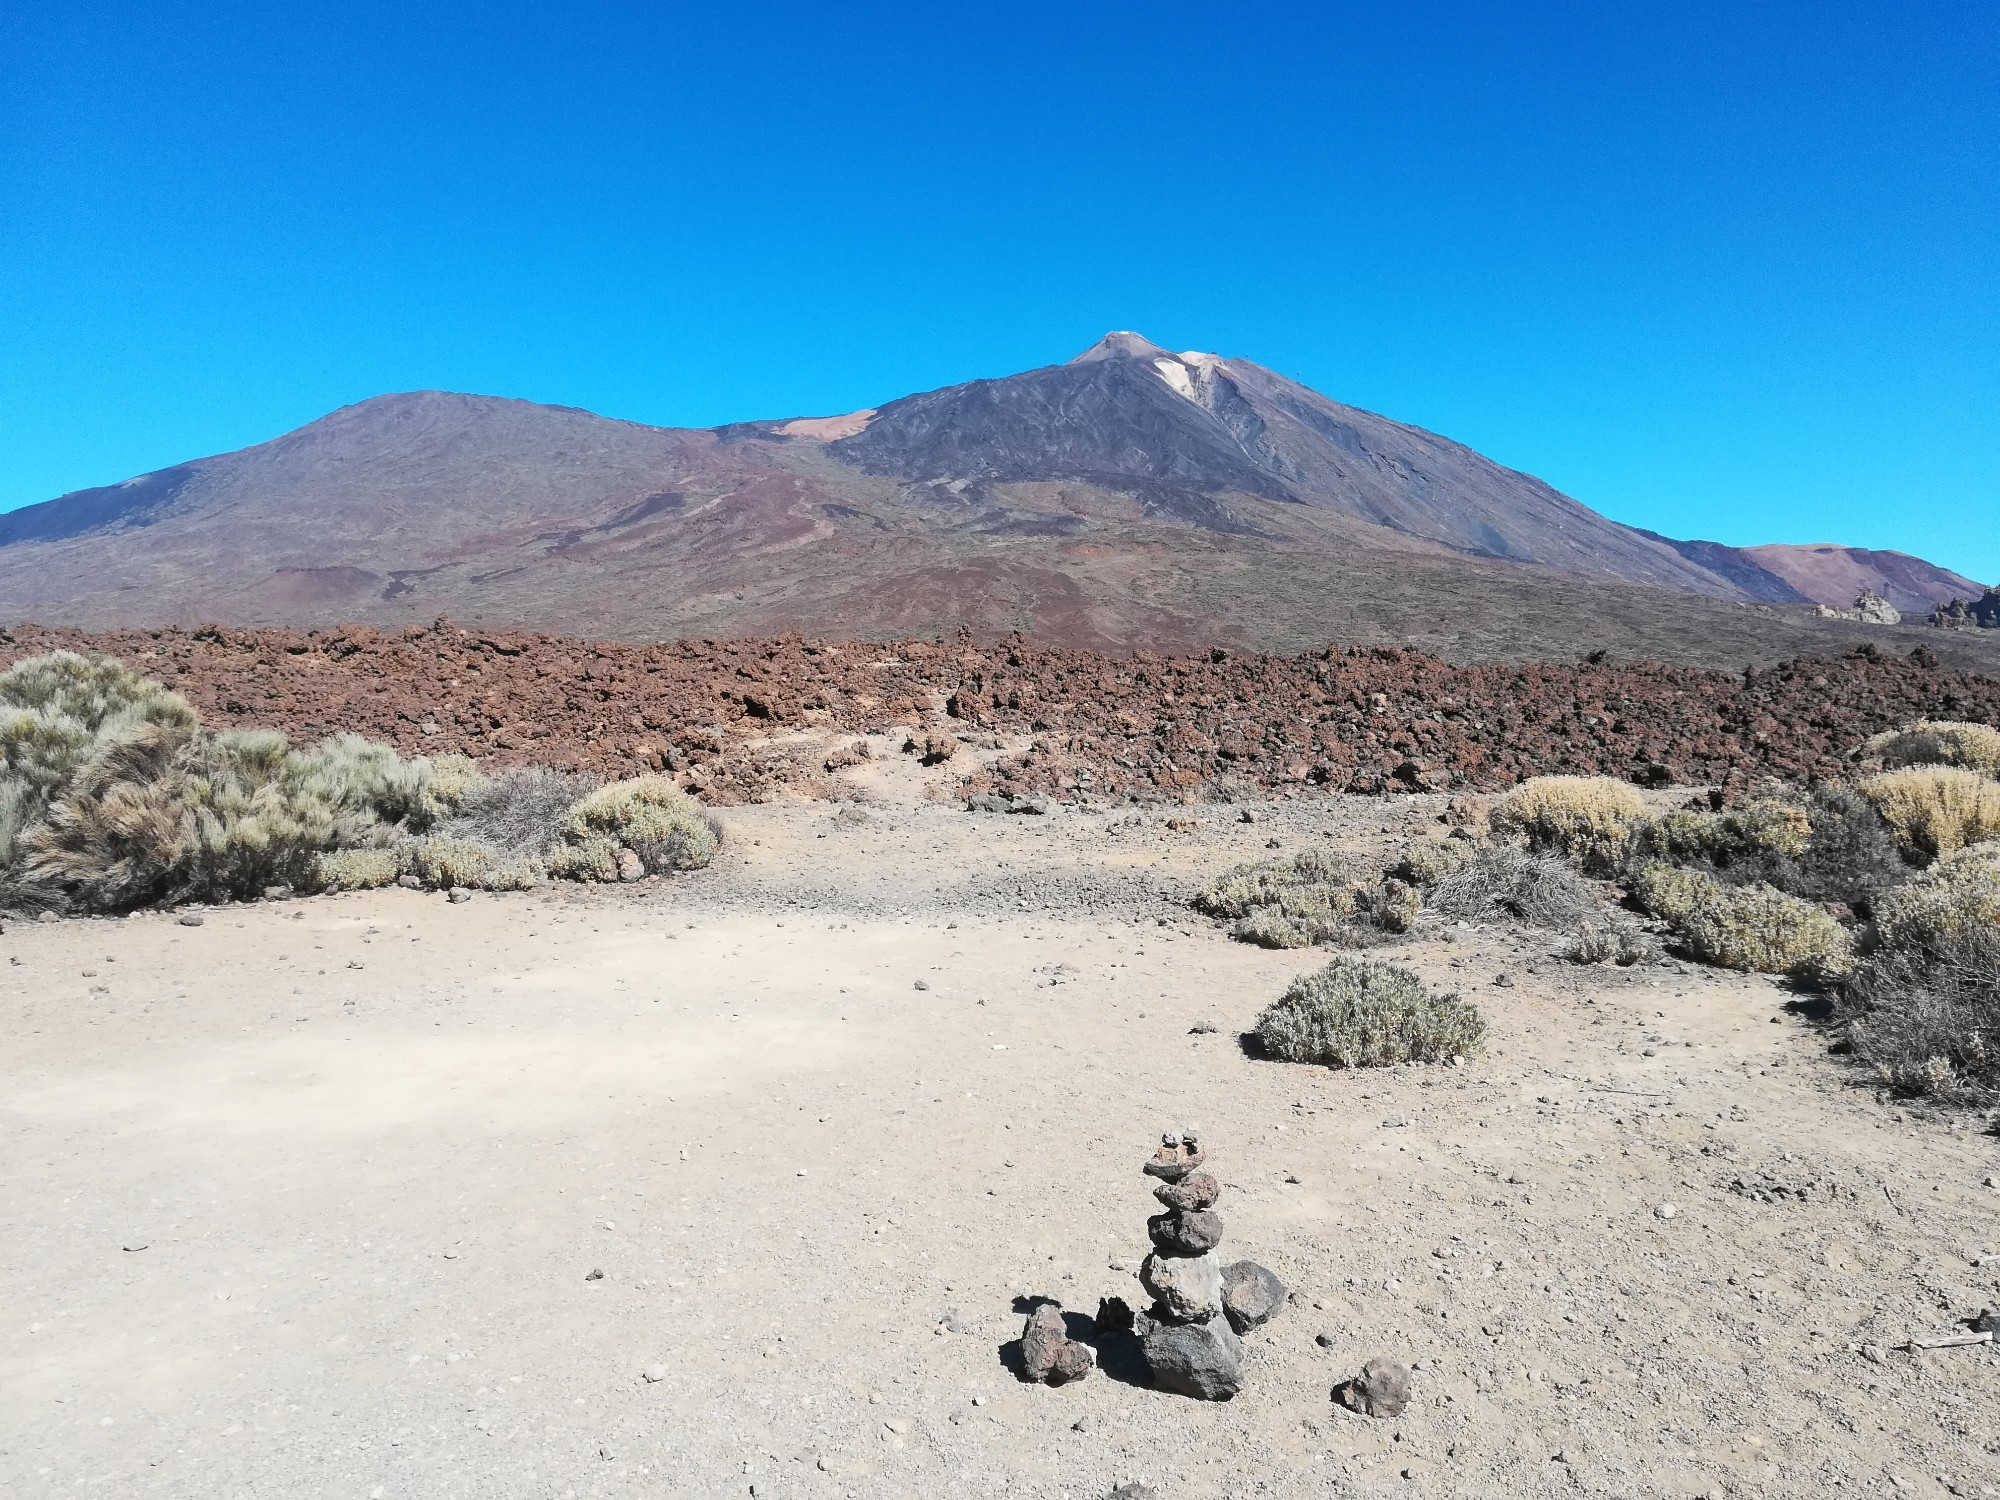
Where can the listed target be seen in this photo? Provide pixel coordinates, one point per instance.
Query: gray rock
(1197, 1190)
(1202, 1360)
(409, 882)
(1382, 1389)
(1187, 1287)
(1177, 1233)
(190, 920)
(1133, 1491)
(458, 895)
(630, 866)
(1251, 1295)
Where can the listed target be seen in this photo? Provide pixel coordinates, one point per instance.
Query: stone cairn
(1190, 1336)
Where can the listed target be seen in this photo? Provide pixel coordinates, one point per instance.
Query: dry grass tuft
(1940, 742)
(1587, 819)
(1506, 883)
(1936, 809)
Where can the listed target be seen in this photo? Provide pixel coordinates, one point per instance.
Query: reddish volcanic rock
(1151, 726)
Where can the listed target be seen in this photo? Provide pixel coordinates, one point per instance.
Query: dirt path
(374, 1146)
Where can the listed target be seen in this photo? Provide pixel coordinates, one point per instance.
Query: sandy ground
(310, 1200)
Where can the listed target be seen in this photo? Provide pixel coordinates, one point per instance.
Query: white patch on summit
(1175, 374)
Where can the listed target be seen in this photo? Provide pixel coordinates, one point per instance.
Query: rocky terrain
(1134, 496)
(740, 1184)
(749, 720)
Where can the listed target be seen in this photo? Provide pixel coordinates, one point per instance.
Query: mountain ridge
(1129, 490)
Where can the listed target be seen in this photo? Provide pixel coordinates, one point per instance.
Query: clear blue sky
(1723, 270)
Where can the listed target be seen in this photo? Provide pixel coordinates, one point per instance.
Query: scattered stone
(1503, 981)
(593, 1274)
(1202, 1028)
(458, 895)
(630, 866)
(1875, 1354)
(47, 916)
(277, 892)
(409, 882)
(921, 984)
(1135, 1491)
(653, 1374)
(1664, 1210)
(1048, 1353)
(1382, 1389)
(137, 1245)
(1251, 1295)
(190, 920)
(1324, 1340)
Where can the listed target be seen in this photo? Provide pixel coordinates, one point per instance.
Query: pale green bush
(1357, 1013)
(1755, 928)
(1929, 742)
(1936, 809)
(593, 857)
(441, 861)
(649, 815)
(1239, 891)
(358, 869)
(1584, 818)
(167, 814)
(56, 710)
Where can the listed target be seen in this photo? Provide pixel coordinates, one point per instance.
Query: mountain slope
(1129, 497)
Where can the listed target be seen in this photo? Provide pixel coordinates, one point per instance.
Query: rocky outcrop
(1969, 614)
(1870, 608)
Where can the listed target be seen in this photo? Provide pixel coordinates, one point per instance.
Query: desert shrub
(1584, 818)
(359, 775)
(1851, 855)
(56, 710)
(1357, 1013)
(1936, 809)
(1925, 1007)
(1309, 899)
(1739, 843)
(593, 857)
(1243, 889)
(1506, 882)
(441, 861)
(1976, 747)
(1424, 863)
(1619, 943)
(522, 811)
(452, 776)
(358, 869)
(167, 814)
(652, 817)
(1754, 927)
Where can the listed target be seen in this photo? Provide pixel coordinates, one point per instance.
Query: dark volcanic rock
(1177, 1233)
(1048, 1354)
(1203, 1360)
(1197, 1190)
(1251, 1295)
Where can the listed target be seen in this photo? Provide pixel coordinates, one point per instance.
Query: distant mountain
(1133, 496)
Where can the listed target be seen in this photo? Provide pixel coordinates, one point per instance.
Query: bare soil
(308, 1200)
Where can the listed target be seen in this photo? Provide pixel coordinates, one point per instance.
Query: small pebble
(1664, 1211)
(921, 984)
(190, 920)
(654, 1374)
(593, 1275)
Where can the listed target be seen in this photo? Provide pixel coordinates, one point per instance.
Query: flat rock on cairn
(1189, 1336)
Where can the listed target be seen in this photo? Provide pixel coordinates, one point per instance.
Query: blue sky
(1727, 271)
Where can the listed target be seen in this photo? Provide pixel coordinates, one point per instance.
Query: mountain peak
(1121, 344)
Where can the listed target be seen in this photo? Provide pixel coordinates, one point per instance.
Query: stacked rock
(1200, 1306)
